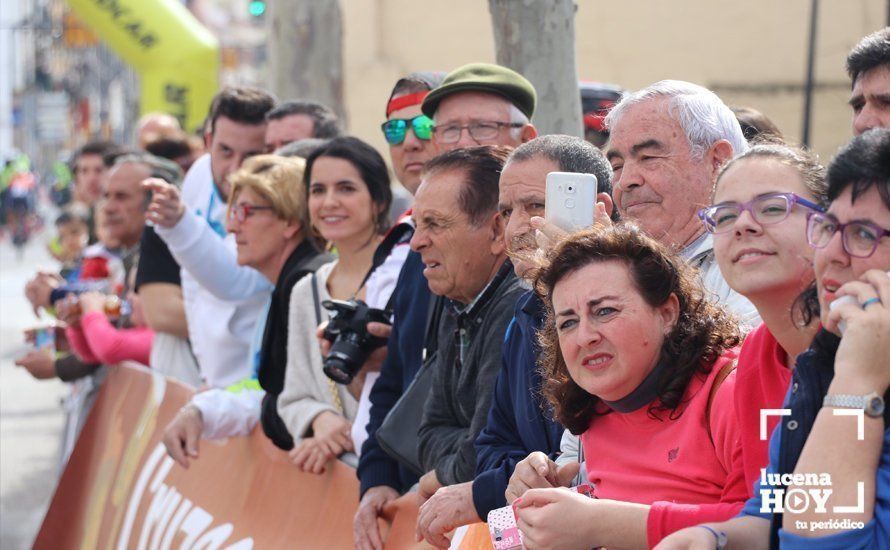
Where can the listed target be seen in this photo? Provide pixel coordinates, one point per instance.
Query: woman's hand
(365, 530)
(92, 302)
(182, 436)
(556, 519)
(331, 438)
(310, 456)
(537, 471)
(864, 346)
(691, 538)
(333, 432)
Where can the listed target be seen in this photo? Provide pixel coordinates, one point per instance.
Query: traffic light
(256, 8)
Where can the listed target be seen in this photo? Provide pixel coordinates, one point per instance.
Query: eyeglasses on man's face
(860, 239)
(482, 130)
(766, 209)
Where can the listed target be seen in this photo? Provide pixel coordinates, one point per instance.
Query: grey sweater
(463, 382)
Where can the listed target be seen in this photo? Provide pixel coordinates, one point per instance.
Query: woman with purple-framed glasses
(838, 425)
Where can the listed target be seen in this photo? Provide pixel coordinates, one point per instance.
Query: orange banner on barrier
(121, 490)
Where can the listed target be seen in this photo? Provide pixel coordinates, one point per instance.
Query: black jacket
(469, 347)
(303, 260)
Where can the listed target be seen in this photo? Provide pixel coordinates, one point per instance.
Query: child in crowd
(73, 230)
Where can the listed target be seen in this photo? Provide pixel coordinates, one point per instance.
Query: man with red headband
(407, 130)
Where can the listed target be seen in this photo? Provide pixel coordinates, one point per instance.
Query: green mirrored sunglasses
(395, 129)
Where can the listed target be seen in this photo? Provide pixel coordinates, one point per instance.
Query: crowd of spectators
(444, 338)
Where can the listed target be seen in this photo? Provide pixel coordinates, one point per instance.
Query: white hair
(517, 117)
(704, 117)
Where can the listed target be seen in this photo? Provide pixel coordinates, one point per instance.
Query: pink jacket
(97, 340)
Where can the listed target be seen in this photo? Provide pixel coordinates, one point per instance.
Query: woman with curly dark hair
(640, 364)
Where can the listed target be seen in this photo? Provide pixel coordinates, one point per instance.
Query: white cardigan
(307, 391)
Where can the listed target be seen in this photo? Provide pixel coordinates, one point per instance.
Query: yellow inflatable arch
(176, 57)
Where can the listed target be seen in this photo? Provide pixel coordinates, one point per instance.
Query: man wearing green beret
(481, 104)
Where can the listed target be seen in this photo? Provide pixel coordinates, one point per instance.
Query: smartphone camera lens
(570, 189)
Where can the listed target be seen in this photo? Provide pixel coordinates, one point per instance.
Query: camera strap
(332, 387)
(316, 299)
(400, 234)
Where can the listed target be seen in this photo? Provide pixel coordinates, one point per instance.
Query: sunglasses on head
(395, 129)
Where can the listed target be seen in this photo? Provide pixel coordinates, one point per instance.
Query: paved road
(31, 418)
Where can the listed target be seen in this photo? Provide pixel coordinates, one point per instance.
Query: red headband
(403, 101)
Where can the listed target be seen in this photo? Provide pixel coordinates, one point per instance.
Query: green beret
(484, 77)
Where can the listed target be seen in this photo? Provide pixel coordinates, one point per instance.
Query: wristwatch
(872, 404)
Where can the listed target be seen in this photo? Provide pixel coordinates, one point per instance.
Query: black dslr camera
(350, 341)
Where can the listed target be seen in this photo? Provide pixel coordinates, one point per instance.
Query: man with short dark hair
(460, 239)
(868, 65)
(88, 165)
(519, 422)
(221, 318)
(295, 120)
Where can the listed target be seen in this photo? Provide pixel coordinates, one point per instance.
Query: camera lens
(570, 189)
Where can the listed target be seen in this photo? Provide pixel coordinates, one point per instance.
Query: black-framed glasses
(859, 239)
(244, 210)
(766, 209)
(482, 130)
(395, 129)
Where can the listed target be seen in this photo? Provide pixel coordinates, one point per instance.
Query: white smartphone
(571, 200)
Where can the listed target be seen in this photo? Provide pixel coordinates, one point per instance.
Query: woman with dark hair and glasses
(348, 197)
(834, 442)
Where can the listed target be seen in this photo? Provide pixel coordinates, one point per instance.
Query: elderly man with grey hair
(481, 104)
(668, 143)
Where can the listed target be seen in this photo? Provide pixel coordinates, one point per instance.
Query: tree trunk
(306, 51)
(537, 39)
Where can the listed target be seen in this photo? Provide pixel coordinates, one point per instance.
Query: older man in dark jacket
(459, 237)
